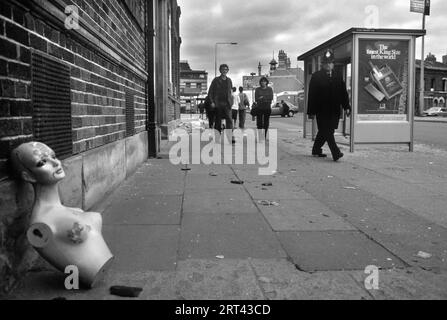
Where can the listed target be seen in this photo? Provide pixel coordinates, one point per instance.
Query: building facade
(435, 76)
(193, 83)
(281, 75)
(96, 81)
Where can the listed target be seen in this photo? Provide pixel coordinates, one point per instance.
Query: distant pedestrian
(263, 98)
(221, 99)
(243, 105)
(234, 107)
(201, 109)
(285, 109)
(210, 112)
(327, 94)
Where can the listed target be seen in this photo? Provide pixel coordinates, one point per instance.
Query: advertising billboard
(383, 81)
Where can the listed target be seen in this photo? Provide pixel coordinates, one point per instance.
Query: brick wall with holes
(106, 62)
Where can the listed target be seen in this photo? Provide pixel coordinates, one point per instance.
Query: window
(433, 83)
(52, 104)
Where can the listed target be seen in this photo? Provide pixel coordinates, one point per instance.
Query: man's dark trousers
(242, 115)
(223, 111)
(326, 129)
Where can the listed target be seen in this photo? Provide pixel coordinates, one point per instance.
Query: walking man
(327, 95)
(243, 104)
(220, 94)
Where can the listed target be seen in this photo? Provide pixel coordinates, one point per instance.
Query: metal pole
(215, 54)
(215, 60)
(422, 75)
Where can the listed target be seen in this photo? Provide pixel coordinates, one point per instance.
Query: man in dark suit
(327, 95)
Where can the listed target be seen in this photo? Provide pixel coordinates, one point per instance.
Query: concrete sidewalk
(307, 232)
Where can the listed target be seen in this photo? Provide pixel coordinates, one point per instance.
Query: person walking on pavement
(263, 98)
(243, 104)
(210, 112)
(327, 94)
(235, 107)
(285, 109)
(201, 109)
(221, 99)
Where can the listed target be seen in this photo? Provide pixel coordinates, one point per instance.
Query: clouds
(296, 26)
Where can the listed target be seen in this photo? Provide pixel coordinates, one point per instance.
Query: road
(432, 134)
(428, 133)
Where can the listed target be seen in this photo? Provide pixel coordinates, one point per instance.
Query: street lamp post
(215, 54)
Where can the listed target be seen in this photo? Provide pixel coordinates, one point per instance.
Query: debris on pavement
(212, 174)
(123, 291)
(237, 182)
(424, 255)
(267, 184)
(220, 257)
(265, 280)
(268, 203)
(350, 188)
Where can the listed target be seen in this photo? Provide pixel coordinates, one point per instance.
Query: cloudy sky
(261, 27)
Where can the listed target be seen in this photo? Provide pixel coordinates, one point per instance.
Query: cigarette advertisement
(383, 80)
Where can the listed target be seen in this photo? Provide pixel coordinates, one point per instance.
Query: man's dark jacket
(327, 95)
(221, 89)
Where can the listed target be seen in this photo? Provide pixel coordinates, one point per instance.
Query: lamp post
(215, 54)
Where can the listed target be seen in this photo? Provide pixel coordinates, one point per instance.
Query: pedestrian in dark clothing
(210, 112)
(263, 98)
(201, 109)
(220, 93)
(285, 108)
(327, 95)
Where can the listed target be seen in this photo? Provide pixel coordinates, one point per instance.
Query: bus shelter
(378, 66)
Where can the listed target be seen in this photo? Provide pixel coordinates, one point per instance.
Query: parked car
(277, 109)
(434, 112)
(443, 112)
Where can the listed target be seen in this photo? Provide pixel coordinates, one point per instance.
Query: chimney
(259, 68)
(444, 59)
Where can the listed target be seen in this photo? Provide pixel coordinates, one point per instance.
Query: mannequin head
(36, 163)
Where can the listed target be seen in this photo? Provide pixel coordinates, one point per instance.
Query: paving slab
(144, 210)
(280, 280)
(143, 248)
(400, 230)
(278, 191)
(303, 215)
(409, 284)
(336, 250)
(159, 186)
(211, 181)
(229, 200)
(207, 169)
(233, 236)
(215, 279)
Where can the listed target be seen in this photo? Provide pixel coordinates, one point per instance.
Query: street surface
(310, 231)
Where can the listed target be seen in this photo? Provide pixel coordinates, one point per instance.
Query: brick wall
(104, 65)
